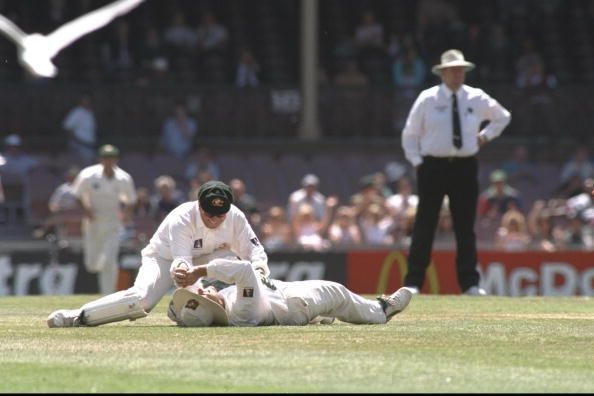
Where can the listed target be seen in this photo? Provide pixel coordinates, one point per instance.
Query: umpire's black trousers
(456, 177)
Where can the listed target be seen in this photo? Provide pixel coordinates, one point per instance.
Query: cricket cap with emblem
(109, 151)
(215, 197)
(196, 310)
(452, 58)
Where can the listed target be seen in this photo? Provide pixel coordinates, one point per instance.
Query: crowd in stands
(380, 212)
(228, 41)
(533, 45)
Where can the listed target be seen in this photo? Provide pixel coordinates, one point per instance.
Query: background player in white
(105, 193)
(255, 300)
(195, 232)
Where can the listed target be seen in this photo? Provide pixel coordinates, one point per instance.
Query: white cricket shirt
(104, 195)
(429, 131)
(182, 234)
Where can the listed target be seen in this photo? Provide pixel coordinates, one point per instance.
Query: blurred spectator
(381, 182)
(63, 197)
(369, 34)
(142, 207)
(202, 177)
(535, 77)
(307, 230)
(394, 48)
(369, 193)
(81, 126)
(308, 193)
(541, 228)
(150, 48)
(445, 237)
(513, 233)
(179, 130)
(499, 197)
(116, 52)
(247, 70)
(56, 11)
(65, 213)
(581, 205)
(579, 165)
(496, 58)
(165, 198)
(408, 72)
(527, 64)
(351, 76)
(275, 230)
(143, 223)
(345, 48)
(394, 170)
(344, 231)
(202, 159)
(179, 35)
(246, 202)
(376, 225)
(155, 73)
(403, 199)
(15, 164)
(575, 234)
(519, 168)
(211, 36)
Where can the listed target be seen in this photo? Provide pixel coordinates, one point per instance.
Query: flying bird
(35, 51)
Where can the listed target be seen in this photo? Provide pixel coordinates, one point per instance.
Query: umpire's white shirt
(104, 195)
(429, 131)
(182, 234)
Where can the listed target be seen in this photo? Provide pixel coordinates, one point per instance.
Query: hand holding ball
(179, 271)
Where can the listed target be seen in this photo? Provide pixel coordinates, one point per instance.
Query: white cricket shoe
(413, 289)
(475, 291)
(64, 318)
(396, 302)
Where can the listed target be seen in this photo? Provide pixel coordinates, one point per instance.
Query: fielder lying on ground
(255, 300)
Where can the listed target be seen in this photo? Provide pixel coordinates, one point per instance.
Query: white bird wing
(10, 30)
(73, 30)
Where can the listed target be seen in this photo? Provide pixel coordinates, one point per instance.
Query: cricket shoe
(413, 289)
(396, 302)
(475, 291)
(64, 318)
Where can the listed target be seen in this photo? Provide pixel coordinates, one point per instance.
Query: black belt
(448, 159)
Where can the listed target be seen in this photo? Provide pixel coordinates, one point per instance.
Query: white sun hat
(452, 58)
(198, 311)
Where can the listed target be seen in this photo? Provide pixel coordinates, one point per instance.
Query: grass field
(440, 344)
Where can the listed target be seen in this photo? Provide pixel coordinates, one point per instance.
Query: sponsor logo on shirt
(255, 241)
(248, 292)
(198, 244)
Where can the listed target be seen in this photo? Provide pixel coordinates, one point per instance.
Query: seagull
(35, 51)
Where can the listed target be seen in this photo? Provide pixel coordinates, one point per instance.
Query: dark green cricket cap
(109, 150)
(215, 197)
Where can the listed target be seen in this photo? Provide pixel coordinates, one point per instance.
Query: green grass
(440, 344)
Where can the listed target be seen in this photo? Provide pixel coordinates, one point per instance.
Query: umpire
(441, 138)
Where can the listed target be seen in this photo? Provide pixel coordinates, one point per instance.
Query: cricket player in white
(194, 233)
(103, 190)
(255, 300)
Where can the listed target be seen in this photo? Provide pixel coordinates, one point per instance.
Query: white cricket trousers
(101, 241)
(308, 299)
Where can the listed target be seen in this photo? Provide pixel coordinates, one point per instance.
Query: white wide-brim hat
(198, 311)
(452, 58)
